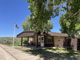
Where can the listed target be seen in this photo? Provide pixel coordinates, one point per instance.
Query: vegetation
(27, 25)
(51, 53)
(69, 25)
(41, 12)
(48, 26)
(70, 21)
(9, 40)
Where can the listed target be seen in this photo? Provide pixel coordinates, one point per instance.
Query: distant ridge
(8, 38)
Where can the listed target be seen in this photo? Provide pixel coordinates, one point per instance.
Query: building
(49, 39)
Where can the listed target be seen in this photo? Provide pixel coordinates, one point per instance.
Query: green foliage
(48, 26)
(26, 24)
(70, 22)
(9, 40)
(75, 6)
(41, 12)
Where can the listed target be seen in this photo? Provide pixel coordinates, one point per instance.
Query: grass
(52, 53)
(10, 42)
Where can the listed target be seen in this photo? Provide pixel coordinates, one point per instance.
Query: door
(41, 41)
(48, 41)
(67, 43)
(78, 44)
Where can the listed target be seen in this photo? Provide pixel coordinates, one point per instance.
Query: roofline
(24, 32)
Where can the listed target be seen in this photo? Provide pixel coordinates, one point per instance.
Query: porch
(35, 39)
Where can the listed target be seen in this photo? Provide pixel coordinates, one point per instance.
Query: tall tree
(27, 25)
(47, 27)
(42, 11)
(70, 22)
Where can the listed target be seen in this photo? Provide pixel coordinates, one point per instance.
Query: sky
(15, 12)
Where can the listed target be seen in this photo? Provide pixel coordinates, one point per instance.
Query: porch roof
(32, 33)
(26, 34)
(58, 34)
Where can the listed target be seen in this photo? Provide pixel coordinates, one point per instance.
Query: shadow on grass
(47, 55)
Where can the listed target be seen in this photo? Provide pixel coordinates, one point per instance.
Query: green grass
(10, 42)
(52, 53)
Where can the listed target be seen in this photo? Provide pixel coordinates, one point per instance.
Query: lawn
(52, 53)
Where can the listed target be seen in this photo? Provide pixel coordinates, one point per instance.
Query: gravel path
(9, 53)
(4, 55)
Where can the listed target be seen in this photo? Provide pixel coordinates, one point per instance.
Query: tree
(70, 22)
(42, 11)
(48, 26)
(27, 25)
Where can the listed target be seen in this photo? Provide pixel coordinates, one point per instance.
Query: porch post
(21, 41)
(37, 40)
(53, 40)
(28, 40)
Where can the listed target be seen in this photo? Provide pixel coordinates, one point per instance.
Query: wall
(35, 39)
(74, 44)
(58, 41)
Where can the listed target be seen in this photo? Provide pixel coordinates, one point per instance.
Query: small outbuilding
(49, 39)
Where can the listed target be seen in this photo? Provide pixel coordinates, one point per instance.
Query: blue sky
(14, 12)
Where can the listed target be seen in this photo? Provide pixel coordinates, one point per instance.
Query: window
(49, 39)
(42, 38)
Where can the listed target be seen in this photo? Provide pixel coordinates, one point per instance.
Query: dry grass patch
(52, 53)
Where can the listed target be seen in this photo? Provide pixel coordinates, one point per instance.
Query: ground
(4, 55)
(52, 53)
(10, 53)
(31, 53)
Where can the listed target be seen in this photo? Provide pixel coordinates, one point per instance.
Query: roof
(32, 33)
(26, 34)
(58, 34)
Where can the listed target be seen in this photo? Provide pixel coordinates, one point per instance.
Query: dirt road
(9, 53)
(5, 56)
